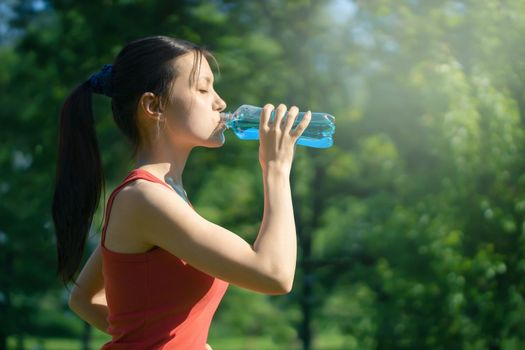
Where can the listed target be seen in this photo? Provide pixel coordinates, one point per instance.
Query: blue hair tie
(101, 81)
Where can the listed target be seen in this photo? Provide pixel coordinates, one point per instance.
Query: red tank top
(155, 299)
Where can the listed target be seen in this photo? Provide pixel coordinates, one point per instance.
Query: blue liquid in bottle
(244, 122)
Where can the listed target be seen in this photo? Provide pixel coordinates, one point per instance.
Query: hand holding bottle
(277, 138)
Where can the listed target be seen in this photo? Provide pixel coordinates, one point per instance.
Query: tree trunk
(20, 342)
(86, 336)
(5, 301)
(305, 241)
(3, 322)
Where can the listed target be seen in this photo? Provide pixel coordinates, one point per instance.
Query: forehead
(185, 63)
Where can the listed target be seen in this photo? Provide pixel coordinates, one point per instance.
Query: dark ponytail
(79, 179)
(143, 65)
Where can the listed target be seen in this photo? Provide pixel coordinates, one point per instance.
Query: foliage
(415, 218)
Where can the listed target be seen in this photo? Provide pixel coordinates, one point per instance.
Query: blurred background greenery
(411, 227)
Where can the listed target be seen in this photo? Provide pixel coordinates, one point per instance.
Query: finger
(278, 117)
(265, 117)
(290, 119)
(303, 124)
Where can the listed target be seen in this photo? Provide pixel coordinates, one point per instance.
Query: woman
(160, 270)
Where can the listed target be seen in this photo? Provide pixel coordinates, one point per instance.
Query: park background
(411, 228)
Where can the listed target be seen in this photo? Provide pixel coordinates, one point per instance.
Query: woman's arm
(88, 299)
(267, 266)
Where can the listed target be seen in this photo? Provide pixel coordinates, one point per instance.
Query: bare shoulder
(141, 195)
(139, 190)
(125, 232)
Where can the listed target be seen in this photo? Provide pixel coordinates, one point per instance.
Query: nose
(221, 104)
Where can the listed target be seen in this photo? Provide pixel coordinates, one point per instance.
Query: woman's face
(193, 113)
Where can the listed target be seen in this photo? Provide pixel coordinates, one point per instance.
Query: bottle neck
(227, 118)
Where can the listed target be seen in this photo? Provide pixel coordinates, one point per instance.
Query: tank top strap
(132, 176)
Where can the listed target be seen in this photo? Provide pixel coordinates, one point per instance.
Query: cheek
(177, 116)
(188, 121)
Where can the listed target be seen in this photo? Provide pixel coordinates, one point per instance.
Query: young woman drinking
(160, 270)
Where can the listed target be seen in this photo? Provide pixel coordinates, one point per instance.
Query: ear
(150, 105)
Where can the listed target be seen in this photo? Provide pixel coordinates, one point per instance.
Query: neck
(164, 161)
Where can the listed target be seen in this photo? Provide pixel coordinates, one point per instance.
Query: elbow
(283, 286)
(281, 289)
(278, 280)
(74, 300)
(287, 286)
(72, 304)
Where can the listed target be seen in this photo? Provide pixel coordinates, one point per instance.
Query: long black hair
(143, 65)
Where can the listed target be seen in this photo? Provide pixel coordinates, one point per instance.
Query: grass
(322, 342)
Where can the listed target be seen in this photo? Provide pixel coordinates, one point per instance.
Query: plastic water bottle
(244, 122)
